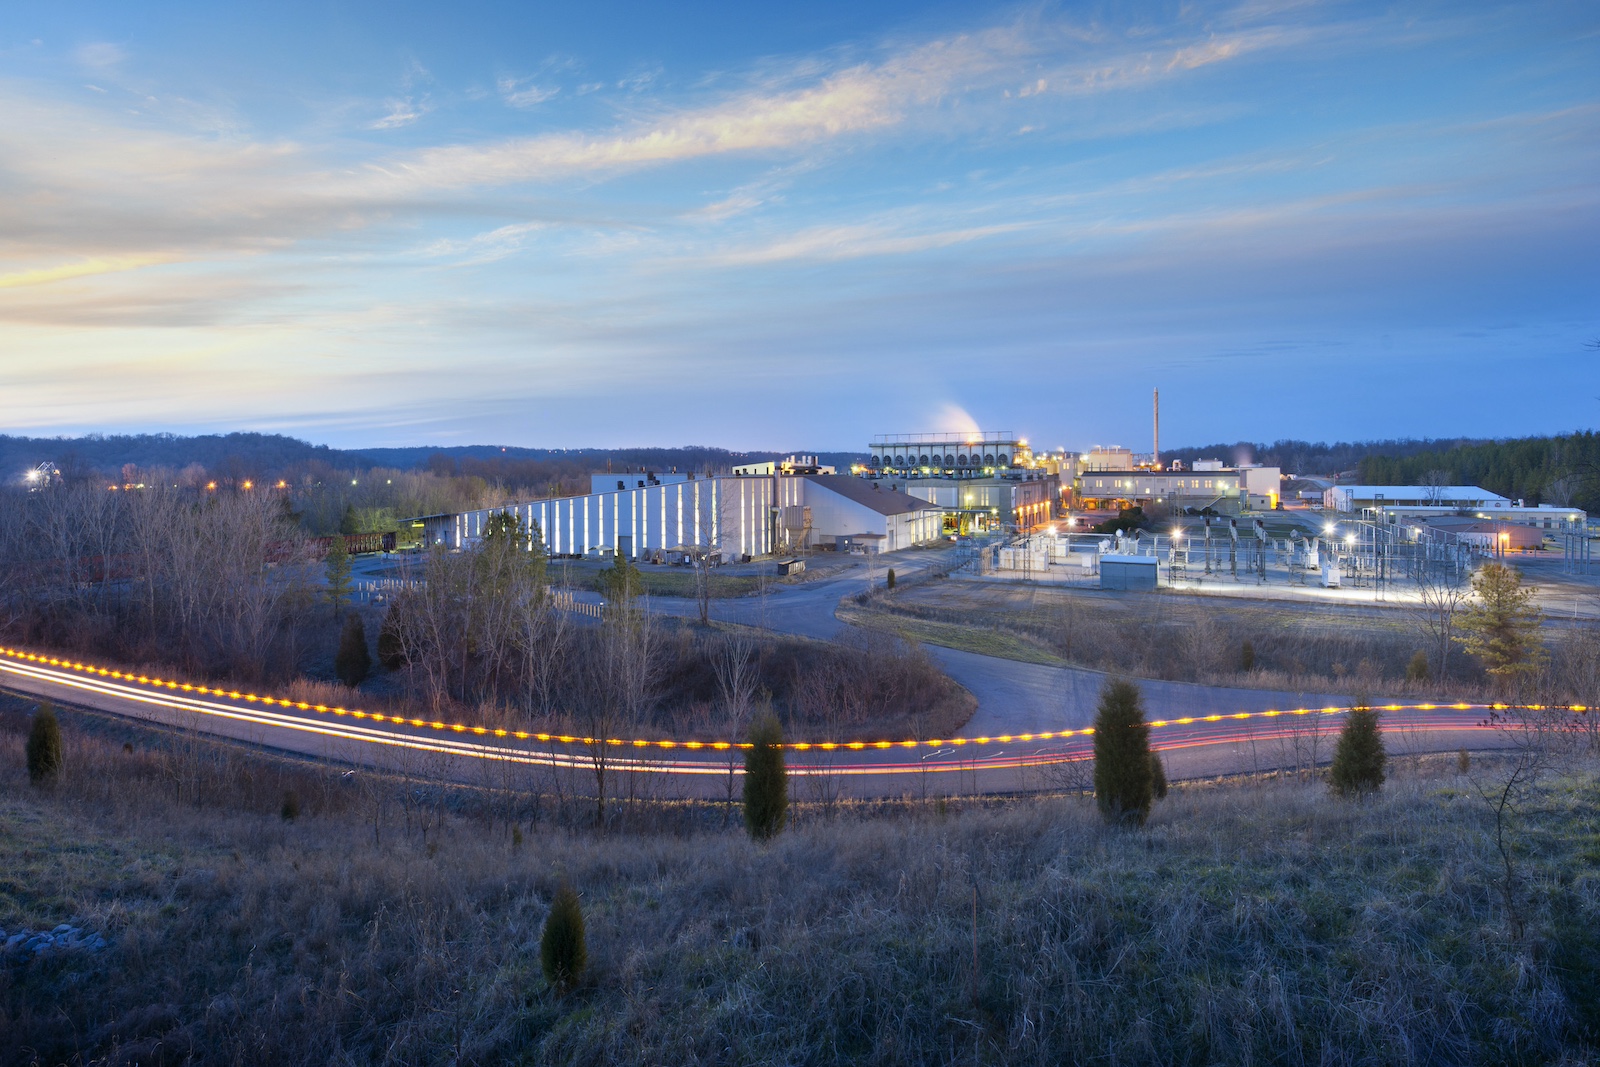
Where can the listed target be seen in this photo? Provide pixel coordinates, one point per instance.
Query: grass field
(1176, 636)
(1250, 923)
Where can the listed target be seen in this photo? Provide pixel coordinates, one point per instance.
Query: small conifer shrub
(291, 806)
(1463, 761)
(1122, 758)
(352, 662)
(391, 650)
(1247, 657)
(1158, 777)
(1359, 757)
(563, 952)
(44, 745)
(1417, 669)
(766, 785)
(889, 582)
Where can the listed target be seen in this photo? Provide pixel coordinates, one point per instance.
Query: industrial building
(1111, 479)
(1356, 498)
(732, 517)
(977, 481)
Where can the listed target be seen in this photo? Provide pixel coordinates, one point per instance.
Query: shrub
(1502, 630)
(1158, 777)
(766, 786)
(1247, 657)
(352, 661)
(1463, 761)
(889, 581)
(44, 745)
(391, 650)
(1122, 756)
(291, 806)
(1417, 669)
(563, 953)
(1359, 757)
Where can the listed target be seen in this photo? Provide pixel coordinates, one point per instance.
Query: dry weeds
(1247, 924)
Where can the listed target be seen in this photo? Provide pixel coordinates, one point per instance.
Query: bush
(1158, 777)
(766, 786)
(563, 953)
(1122, 756)
(1247, 657)
(44, 745)
(291, 806)
(391, 650)
(1359, 757)
(1463, 761)
(1417, 669)
(889, 581)
(352, 661)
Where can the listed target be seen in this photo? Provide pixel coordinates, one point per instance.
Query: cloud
(486, 247)
(100, 55)
(810, 104)
(402, 112)
(45, 275)
(523, 93)
(825, 243)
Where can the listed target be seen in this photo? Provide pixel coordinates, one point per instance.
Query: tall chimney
(1155, 443)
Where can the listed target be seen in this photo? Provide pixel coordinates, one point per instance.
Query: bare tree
(616, 687)
(738, 673)
(1440, 598)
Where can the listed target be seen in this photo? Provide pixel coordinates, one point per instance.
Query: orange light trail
(128, 679)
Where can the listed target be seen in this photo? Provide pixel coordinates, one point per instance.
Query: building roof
(1444, 494)
(869, 495)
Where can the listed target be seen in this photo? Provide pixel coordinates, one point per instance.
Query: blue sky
(620, 224)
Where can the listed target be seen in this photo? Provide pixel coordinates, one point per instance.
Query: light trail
(947, 755)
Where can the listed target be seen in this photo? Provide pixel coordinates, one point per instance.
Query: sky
(798, 226)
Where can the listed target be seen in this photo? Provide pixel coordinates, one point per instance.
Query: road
(1029, 730)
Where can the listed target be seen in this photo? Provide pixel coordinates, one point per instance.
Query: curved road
(1029, 730)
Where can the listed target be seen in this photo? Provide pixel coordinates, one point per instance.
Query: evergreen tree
(1247, 657)
(621, 581)
(352, 661)
(1417, 669)
(391, 650)
(563, 951)
(1158, 777)
(349, 523)
(1122, 758)
(889, 581)
(338, 574)
(44, 745)
(766, 785)
(1359, 757)
(1501, 630)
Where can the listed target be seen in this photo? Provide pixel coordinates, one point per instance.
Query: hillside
(386, 924)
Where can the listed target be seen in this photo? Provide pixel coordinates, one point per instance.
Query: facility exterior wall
(833, 515)
(731, 515)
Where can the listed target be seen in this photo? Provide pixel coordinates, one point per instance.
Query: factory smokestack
(1155, 442)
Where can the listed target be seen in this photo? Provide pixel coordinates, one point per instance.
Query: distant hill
(258, 455)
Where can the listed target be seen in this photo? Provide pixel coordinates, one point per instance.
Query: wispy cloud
(100, 55)
(84, 269)
(402, 112)
(524, 93)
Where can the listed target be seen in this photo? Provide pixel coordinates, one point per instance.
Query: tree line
(1564, 470)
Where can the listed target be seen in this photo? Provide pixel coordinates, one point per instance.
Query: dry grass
(1173, 636)
(1246, 925)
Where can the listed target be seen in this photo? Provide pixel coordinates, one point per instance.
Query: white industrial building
(1354, 498)
(873, 516)
(734, 517)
